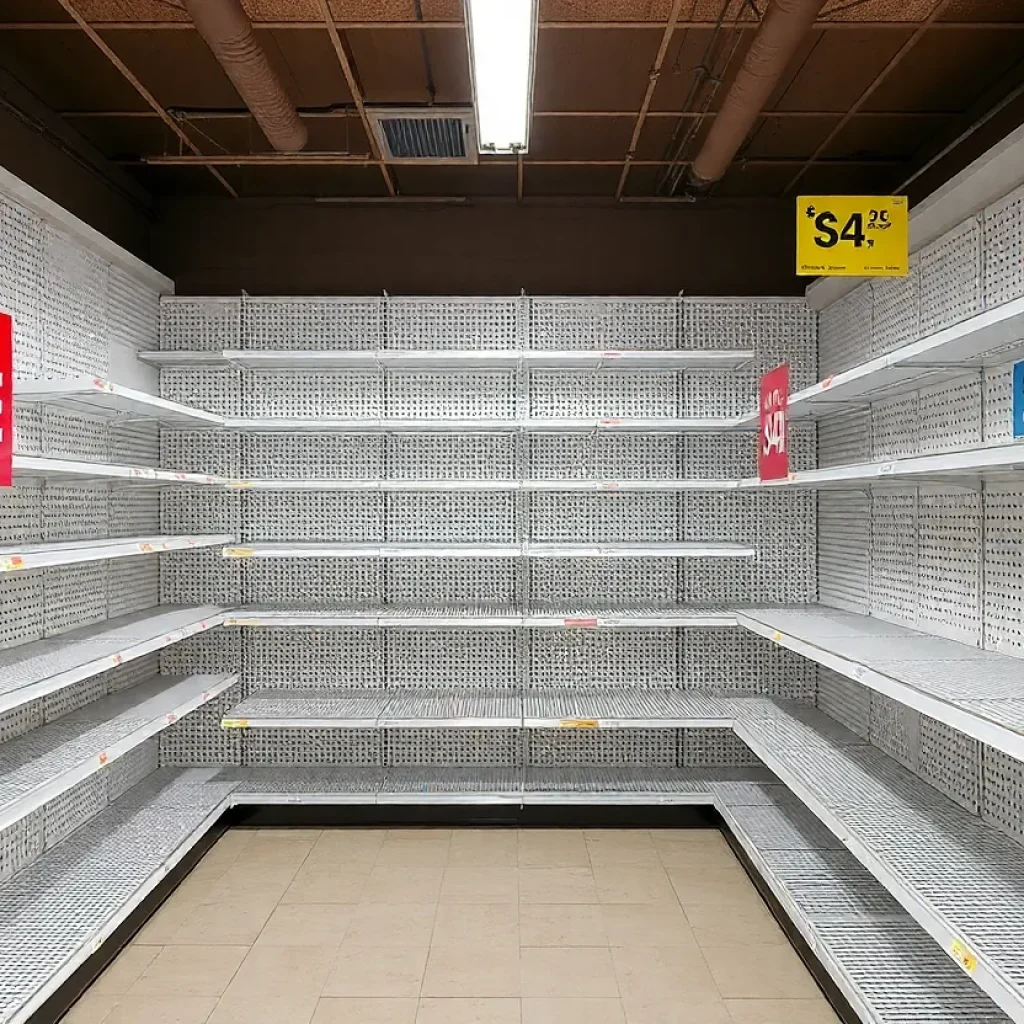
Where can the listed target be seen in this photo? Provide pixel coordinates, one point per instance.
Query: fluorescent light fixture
(502, 42)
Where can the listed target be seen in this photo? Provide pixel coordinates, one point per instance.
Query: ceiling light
(502, 42)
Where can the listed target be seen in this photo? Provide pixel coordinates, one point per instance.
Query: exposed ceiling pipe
(784, 25)
(228, 32)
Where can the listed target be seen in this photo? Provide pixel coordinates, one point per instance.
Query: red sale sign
(6, 399)
(773, 444)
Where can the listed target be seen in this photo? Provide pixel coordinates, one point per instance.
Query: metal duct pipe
(228, 32)
(785, 23)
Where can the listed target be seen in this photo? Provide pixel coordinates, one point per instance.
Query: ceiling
(876, 89)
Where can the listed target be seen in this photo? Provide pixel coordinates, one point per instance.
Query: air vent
(417, 136)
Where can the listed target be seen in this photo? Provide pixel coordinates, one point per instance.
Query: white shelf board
(99, 397)
(682, 549)
(47, 468)
(943, 355)
(480, 425)
(979, 693)
(48, 761)
(17, 557)
(441, 485)
(573, 707)
(41, 667)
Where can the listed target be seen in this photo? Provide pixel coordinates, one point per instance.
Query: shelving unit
(17, 557)
(30, 466)
(484, 425)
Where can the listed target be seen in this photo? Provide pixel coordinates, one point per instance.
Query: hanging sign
(852, 236)
(6, 399)
(773, 442)
(1018, 399)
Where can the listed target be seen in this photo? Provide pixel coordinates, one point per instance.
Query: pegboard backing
(133, 309)
(455, 323)
(312, 582)
(442, 659)
(555, 748)
(720, 392)
(845, 700)
(198, 739)
(198, 511)
(200, 577)
(21, 608)
(845, 331)
(895, 311)
(489, 394)
(454, 748)
(894, 541)
(313, 323)
(297, 747)
(311, 516)
(353, 394)
(1003, 224)
(205, 325)
(894, 729)
(313, 658)
(1004, 570)
(453, 518)
(201, 451)
(844, 550)
(1002, 791)
(951, 762)
(460, 583)
(451, 457)
(721, 457)
(71, 436)
(720, 748)
(894, 427)
(21, 843)
(721, 661)
(286, 456)
(997, 404)
(577, 658)
(605, 323)
(73, 596)
(951, 277)
(217, 389)
(604, 393)
(605, 456)
(133, 513)
(949, 415)
(769, 326)
(135, 444)
(604, 518)
(599, 583)
(21, 251)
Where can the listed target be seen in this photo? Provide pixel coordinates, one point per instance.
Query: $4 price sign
(773, 441)
(852, 236)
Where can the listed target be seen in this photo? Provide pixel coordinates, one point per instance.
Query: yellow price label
(238, 552)
(12, 563)
(241, 484)
(234, 723)
(852, 236)
(776, 636)
(962, 954)
(579, 723)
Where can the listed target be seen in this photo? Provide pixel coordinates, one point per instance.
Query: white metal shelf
(682, 549)
(17, 557)
(458, 359)
(484, 425)
(958, 878)
(573, 707)
(979, 693)
(55, 469)
(42, 667)
(48, 761)
(441, 485)
(99, 397)
(941, 356)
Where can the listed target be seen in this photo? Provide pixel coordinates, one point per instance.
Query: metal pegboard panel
(844, 550)
(200, 577)
(134, 310)
(949, 415)
(132, 584)
(21, 843)
(133, 513)
(626, 748)
(444, 659)
(720, 581)
(21, 607)
(607, 456)
(73, 596)
(453, 747)
(581, 658)
(314, 323)
(70, 436)
(313, 516)
(446, 583)
(767, 325)
(21, 514)
(951, 276)
(200, 324)
(845, 438)
(997, 404)
(719, 392)
(452, 518)
(75, 513)
(132, 768)
(69, 699)
(21, 720)
(284, 456)
(604, 583)
(605, 323)
(198, 738)
(135, 444)
(310, 393)
(208, 653)
(1003, 224)
(950, 761)
(605, 517)
(73, 307)
(451, 457)
(21, 254)
(896, 311)
(895, 729)
(718, 516)
(719, 456)
(895, 430)
(192, 511)
(894, 560)
(604, 393)
(788, 675)
(313, 658)
(845, 700)
(786, 568)
(312, 583)
(298, 747)
(1004, 570)
(455, 323)
(28, 429)
(1002, 791)
(845, 331)
(490, 394)
(73, 808)
(724, 661)
(719, 748)
(949, 559)
(128, 674)
(217, 389)
(199, 451)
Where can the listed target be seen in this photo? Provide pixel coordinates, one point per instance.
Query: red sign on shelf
(6, 399)
(773, 443)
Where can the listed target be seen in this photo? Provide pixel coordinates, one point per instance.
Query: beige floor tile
(416, 834)
(190, 971)
(91, 1009)
(378, 971)
(347, 846)
(573, 1011)
(495, 925)
(690, 836)
(235, 923)
(162, 1010)
(759, 972)
(646, 924)
(632, 847)
(566, 924)
(557, 885)
(568, 971)
(484, 847)
(706, 1010)
(655, 974)
(240, 1008)
(403, 885)
(170, 916)
(630, 884)
(413, 853)
(126, 969)
(712, 863)
(741, 926)
(551, 848)
(306, 924)
(693, 889)
(391, 924)
(327, 885)
(468, 1011)
(289, 833)
(234, 840)
(271, 858)
(281, 971)
(366, 1011)
(462, 972)
(781, 1011)
(252, 883)
(469, 884)
(201, 888)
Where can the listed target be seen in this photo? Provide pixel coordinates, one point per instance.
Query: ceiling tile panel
(580, 138)
(389, 65)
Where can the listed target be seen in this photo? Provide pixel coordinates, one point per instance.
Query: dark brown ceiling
(876, 89)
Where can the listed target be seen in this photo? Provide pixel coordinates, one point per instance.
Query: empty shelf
(40, 765)
(577, 707)
(72, 552)
(102, 398)
(441, 485)
(977, 692)
(50, 469)
(481, 425)
(44, 666)
(681, 549)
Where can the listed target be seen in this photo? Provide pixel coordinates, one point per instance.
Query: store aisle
(463, 926)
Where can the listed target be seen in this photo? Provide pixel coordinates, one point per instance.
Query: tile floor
(460, 926)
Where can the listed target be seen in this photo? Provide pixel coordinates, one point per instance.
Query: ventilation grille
(418, 136)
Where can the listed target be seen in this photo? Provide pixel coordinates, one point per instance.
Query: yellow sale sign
(852, 236)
